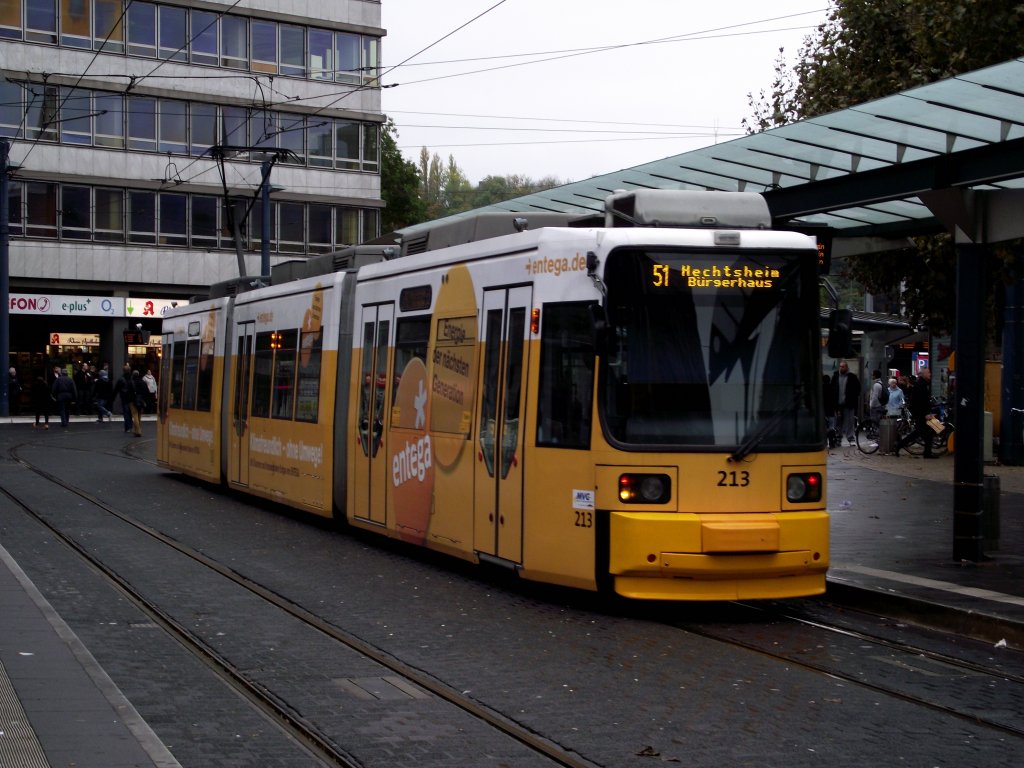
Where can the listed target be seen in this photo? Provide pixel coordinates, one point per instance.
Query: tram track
(312, 738)
(892, 667)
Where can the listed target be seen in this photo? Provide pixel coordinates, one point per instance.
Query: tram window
(188, 401)
(177, 374)
(284, 373)
(410, 343)
(566, 377)
(262, 374)
(307, 388)
(204, 396)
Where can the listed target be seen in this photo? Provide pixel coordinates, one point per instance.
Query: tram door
(498, 502)
(372, 466)
(240, 404)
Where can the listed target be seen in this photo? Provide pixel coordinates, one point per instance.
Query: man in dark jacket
(65, 393)
(846, 391)
(920, 404)
(124, 389)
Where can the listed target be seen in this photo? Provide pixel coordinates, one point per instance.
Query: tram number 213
(733, 479)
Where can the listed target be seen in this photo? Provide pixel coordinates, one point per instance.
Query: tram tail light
(644, 489)
(803, 487)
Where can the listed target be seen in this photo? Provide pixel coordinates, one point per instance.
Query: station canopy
(862, 171)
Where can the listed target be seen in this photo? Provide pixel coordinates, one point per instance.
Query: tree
(868, 49)
(399, 184)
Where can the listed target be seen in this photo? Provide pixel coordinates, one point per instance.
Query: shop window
(173, 33)
(142, 29)
(109, 119)
(205, 37)
(173, 126)
(284, 373)
(41, 21)
(142, 123)
(41, 204)
(108, 26)
(346, 143)
(173, 223)
(321, 54)
(75, 205)
(76, 23)
(142, 217)
(293, 51)
(204, 221)
(307, 387)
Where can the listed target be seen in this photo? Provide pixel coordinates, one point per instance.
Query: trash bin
(990, 513)
(887, 435)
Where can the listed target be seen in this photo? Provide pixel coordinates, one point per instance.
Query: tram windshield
(712, 349)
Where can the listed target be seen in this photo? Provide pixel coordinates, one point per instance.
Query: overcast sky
(675, 77)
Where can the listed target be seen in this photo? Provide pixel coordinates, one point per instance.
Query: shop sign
(74, 339)
(136, 307)
(59, 304)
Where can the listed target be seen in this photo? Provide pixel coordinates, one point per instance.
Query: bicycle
(868, 432)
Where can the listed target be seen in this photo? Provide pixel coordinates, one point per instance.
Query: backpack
(883, 396)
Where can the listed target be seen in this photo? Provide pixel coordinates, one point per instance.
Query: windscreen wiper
(761, 431)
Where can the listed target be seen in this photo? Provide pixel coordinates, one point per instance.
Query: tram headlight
(644, 489)
(803, 487)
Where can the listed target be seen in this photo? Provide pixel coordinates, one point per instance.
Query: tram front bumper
(718, 546)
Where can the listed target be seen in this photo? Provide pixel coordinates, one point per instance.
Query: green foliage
(399, 184)
(868, 49)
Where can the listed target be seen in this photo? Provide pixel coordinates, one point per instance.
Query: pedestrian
(101, 395)
(920, 407)
(879, 392)
(42, 401)
(13, 392)
(65, 393)
(846, 390)
(894, 408)
(150, 381)
(123, 389)
(138, 402)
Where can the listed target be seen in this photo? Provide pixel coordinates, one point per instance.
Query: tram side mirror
(840, 333)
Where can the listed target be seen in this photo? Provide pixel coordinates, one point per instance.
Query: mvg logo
(582, 499)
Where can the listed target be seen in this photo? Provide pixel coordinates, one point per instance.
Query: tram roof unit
(632, 208)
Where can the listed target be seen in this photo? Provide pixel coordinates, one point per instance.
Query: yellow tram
(630, 404)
